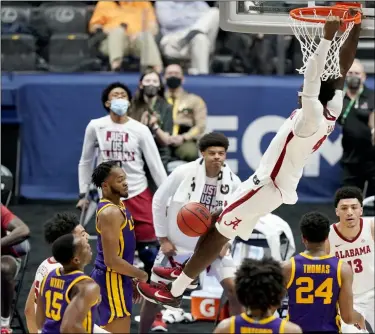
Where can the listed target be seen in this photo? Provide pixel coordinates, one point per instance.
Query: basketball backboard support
(272, 17)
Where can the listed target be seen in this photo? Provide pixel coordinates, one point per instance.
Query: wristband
(155, 128)
(82, 195)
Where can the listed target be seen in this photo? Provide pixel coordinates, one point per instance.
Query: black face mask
(150, 91)
(353, 82)
(174, 82)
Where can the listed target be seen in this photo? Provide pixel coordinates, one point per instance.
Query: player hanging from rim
(61, 224)
(68, 298)
(116, 244)
(281, 167)
(260, 289)
(352, 240)
(318, 283)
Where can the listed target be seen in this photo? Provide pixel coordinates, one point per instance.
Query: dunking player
(352, 240)
(281, 167)
(61, 224)
(260, 289)
(114, 268)
(317, 282)
(121, 138)
(68, 298)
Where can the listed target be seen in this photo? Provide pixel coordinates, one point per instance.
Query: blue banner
(56, 108)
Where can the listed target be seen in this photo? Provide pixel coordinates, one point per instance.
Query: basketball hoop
(308, 26)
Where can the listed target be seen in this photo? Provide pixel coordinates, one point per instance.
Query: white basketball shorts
(247, 204)
(221, 268)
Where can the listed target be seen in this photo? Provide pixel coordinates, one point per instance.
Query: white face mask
(119, 106)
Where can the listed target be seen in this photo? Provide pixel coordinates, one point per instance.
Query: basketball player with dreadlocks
(281, 167)
(260, 289)
(114, 270)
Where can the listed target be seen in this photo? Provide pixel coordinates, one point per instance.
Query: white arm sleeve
(152, 157)
(308, 121)
(85, 167)
(160, 201)
(336, 104)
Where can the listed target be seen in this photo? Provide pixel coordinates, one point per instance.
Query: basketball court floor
(35, 215)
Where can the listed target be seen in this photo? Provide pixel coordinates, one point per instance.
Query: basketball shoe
(169, 274)
(159, 293)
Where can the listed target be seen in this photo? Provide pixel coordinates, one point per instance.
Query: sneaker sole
(172, 308)
(156, 279)
(159, 329)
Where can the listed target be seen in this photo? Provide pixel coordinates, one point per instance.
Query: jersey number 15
(307, 292)
(53, 305)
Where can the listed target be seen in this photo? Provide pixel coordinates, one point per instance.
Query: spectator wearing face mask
(357, 121)
(150, 107)
(189, 116)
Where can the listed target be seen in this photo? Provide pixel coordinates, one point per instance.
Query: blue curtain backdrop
(55, 109)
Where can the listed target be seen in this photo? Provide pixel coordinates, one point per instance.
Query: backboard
(272, 17)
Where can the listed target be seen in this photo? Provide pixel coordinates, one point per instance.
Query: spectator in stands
(357, 121)
(130, 27)
(189, 116)
(189, 30)
(13, 232)
(150, 107)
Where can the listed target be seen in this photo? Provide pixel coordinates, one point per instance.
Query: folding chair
(16, 321)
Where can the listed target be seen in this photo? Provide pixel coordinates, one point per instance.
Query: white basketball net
(309, 35)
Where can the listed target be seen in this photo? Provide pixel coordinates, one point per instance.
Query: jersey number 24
(306, 292)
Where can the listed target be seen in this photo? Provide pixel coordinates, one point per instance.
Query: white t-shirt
(43, 270)
(358, 253)
(165, 209)
(130, 143)
(208, 198)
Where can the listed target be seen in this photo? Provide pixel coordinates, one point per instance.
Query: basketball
(193, 219)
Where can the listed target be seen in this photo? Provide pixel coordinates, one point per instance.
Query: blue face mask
(119, 106)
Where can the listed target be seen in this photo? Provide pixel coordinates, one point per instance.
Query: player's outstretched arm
(347, 312)
(224, 326)
(86, 297)
(348, 51)
(110, 220)
(40, 311)
(30, 311)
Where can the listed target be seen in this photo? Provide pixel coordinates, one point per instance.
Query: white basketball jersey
(43, 270)
(358, 253)
(287, 155)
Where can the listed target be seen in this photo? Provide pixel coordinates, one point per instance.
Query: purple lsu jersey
(241, 324)
(55, 291)
(116, 289)
(313, 291)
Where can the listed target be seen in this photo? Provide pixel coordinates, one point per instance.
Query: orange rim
(338, 10)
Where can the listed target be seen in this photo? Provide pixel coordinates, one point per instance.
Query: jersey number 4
(53, 305)
(307, 292)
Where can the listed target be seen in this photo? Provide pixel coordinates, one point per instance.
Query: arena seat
(18, 52)
(15, 19)
(66, 19)
(70, 53)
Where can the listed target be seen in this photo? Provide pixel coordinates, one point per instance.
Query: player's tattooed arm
(86, 295)
(347, 312)
(110, 220)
